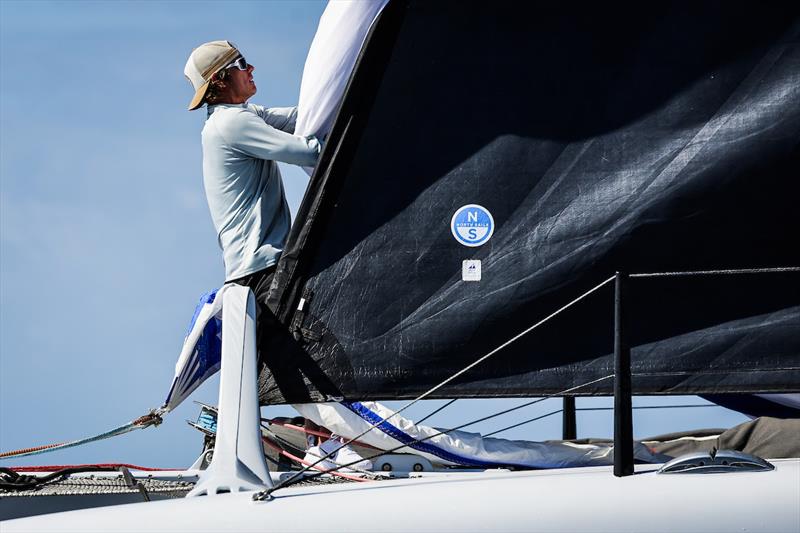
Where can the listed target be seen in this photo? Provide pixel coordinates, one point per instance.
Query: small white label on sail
(472, 225)
(471, 270)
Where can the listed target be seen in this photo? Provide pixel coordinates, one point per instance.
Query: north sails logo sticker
(472, 225)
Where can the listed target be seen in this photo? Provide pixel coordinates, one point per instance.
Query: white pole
(238, 463)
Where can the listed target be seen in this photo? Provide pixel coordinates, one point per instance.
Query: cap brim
(197, 101)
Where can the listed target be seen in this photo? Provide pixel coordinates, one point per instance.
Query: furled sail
(342, 29)
(492, 162)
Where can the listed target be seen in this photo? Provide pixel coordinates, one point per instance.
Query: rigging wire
(551, 413)
(526, 404)
(266, 493)
(451, 402)
(772, 270)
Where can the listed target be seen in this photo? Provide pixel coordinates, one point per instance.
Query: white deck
(585, 499)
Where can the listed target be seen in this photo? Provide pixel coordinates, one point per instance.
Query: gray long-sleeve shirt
(241, 144)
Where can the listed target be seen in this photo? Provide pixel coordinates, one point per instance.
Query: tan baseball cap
(205, 61)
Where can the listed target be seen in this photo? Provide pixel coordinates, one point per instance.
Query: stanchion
(569, 429)
(623, 408)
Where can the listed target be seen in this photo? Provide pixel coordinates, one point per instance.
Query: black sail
(625, 137)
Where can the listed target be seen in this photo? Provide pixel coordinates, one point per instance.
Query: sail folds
(491, 163)
(342, 30)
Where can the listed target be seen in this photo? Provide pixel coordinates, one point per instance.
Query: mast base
(238, 463)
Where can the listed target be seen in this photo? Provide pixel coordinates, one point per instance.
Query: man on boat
(241, 144)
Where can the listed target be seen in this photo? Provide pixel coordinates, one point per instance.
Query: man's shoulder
(227, 120)
(256, 108)
(227, 113)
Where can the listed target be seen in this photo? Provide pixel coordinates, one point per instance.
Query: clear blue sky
(105, 238)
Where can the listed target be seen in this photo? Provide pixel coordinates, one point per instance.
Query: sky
(106, 242)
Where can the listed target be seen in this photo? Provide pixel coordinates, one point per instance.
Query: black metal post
(623, 407)
(569, 428)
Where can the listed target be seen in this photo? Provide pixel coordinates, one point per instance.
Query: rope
(53, 468)
(29, 451)
(153, 418)
(773, 270)
(263, 495)
(14, 482)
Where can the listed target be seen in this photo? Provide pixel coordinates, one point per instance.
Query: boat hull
(580, 499)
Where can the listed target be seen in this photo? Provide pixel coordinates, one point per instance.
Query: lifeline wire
(551, 413)
(265, 494)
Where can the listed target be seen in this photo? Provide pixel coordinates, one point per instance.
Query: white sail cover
(350, 419)
(342, 29)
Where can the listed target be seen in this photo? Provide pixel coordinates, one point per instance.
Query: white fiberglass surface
(585, 499)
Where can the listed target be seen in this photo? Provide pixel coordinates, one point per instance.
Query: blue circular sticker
(472, 225)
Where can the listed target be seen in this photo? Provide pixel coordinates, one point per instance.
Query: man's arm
(251, 135)
(283, 118)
